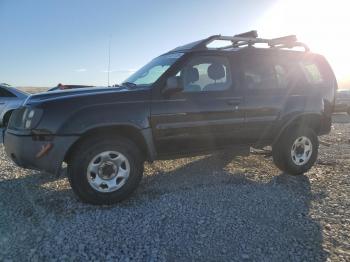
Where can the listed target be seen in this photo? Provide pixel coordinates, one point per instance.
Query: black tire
(281, 151)
(86, 151)
(348, 111)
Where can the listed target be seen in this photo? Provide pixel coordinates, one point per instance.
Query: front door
(205, 115)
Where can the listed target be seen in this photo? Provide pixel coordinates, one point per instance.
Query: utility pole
(109, 58)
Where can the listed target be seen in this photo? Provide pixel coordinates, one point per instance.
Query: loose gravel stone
(208, 208)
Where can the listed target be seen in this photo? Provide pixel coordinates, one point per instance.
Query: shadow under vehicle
(235, 210)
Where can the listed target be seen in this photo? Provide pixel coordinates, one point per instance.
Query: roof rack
(251, 38)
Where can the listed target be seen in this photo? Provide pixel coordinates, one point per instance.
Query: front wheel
(296, 151)
(105, 171)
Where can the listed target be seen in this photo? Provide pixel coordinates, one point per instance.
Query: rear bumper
(25, 151)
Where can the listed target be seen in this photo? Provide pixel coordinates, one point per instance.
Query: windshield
(151, 72)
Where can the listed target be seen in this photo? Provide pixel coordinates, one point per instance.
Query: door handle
(234, 102)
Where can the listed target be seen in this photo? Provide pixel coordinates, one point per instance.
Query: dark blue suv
(218, 93)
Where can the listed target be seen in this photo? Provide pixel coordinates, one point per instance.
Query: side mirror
(172, 86)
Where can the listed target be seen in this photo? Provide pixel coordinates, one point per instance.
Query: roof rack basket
(251, 38)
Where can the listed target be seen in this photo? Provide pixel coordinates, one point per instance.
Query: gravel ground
(212, 208)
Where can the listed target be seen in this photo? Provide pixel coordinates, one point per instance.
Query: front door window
(206, 74)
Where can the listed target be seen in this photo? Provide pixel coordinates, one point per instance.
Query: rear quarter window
(312, 72)
(316, 70)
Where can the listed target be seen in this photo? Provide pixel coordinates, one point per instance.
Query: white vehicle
(10, 99)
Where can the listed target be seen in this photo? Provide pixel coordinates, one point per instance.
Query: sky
(46, 42)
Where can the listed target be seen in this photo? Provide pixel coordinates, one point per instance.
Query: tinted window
(206, 73)
(282, 75)
(259, 73)
(267, 72)
(312, 72)
(5, 93)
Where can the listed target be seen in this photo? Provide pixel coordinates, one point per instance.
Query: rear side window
(265, 72)
(312, 72)
(259, 73)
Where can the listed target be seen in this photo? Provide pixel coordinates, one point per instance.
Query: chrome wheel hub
(108, 171)
(301, 150)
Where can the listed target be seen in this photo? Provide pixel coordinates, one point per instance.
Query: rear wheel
(296, 151)
(105, 171)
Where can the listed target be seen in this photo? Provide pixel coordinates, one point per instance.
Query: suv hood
(53, 95)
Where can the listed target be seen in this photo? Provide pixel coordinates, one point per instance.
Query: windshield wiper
(129, 84)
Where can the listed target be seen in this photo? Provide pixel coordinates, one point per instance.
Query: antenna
(109, 57)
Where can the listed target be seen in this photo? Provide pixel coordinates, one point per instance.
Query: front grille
(16, 119)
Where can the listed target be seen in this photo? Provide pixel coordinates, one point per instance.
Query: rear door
(206, 114)
(265, 91)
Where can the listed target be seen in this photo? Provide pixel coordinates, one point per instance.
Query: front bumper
(25, 151)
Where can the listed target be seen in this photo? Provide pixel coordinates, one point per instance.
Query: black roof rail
(250, 39)
(250, 34)
(284, 40)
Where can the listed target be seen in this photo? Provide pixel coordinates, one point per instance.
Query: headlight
(31, 117)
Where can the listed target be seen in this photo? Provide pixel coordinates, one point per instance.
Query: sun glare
(322, 24)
